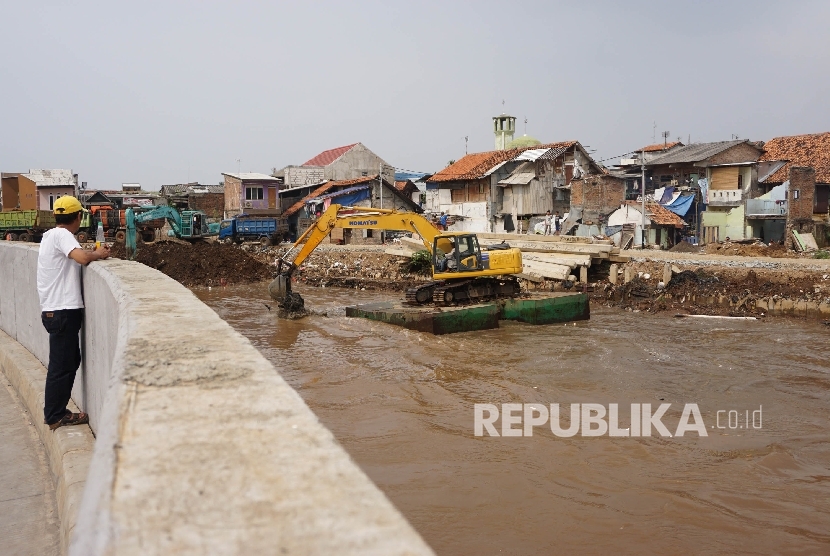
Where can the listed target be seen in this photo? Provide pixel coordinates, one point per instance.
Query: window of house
(254, 194)
(740, 181)
(795, 193)
(52, 199)
(458, 195)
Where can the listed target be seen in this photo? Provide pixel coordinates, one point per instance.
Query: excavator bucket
(290, 302)
(280, 287)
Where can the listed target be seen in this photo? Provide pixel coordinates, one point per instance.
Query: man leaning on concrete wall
(61, 302)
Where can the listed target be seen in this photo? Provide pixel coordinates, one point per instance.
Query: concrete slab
(28, 513)
(538, 308)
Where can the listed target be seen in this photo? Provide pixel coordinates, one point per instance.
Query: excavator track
(421, 294)
(473, 291)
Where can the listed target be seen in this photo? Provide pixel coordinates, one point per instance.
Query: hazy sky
(166, 92)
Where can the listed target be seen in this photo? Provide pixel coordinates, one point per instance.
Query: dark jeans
(64, 359)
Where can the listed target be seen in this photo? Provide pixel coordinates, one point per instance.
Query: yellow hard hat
(67, 205)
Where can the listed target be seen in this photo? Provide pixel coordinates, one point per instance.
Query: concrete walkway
(28, 514)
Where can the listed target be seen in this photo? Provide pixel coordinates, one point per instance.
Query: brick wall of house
(233, 196)
(213, 204)
(803, 184)
(743, 152)
(597, 195)
(800, 203)
(355, 237)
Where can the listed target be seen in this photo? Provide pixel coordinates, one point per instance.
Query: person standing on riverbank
(547, 223)
(62, 307)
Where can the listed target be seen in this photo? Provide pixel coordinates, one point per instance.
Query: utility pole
(643, 197)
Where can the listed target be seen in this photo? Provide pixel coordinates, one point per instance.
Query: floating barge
(537, 308)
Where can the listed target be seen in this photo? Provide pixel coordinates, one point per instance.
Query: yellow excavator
(462, 272)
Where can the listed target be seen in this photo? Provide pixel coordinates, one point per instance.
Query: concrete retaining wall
(201, 447)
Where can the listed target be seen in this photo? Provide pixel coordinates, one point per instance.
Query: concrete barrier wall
(201, 447)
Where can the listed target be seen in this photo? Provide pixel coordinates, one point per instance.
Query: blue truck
(266, 230)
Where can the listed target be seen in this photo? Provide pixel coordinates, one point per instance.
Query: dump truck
(30, 225)
(462, 272)
(266, 230)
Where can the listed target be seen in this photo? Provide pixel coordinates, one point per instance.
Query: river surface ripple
(401, 403)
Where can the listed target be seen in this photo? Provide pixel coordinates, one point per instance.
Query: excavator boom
(338, 216)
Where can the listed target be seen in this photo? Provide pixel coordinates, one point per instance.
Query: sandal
(71, 419)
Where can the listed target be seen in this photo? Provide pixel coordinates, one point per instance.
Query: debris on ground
(711, 289)
(750, 249)
(686, 247)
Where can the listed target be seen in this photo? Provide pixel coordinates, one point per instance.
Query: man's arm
(84, 257)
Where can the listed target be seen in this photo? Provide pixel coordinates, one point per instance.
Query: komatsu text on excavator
(461, 271)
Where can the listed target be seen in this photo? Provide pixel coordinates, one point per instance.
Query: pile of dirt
(758, 249)
(201, 264)
(685, 247)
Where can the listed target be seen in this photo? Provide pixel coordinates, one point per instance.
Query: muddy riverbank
(402, 404)
(697, 283)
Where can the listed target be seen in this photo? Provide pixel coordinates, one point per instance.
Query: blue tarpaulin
(667, 195)
(346, 197)
(681, 205)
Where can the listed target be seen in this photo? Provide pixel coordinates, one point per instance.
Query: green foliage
(822, 255)
(420, 263)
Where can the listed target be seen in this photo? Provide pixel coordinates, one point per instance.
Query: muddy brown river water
(402, 404)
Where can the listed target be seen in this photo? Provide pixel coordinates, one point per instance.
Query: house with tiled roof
(810, 150)
(341, 163)
(794, 173)
(501, 190)
(662, 226)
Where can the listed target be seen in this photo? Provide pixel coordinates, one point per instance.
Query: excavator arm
(337, 216)
(167, 212)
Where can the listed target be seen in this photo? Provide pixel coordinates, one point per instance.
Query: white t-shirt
(58, 276)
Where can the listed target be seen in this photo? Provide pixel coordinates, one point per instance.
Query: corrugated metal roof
(522, 175)
(694, 153)
(250, 176)
(188, 188)
(48, 178)
(531, 154)
(327, 157)
(801, 150)
(414, 176)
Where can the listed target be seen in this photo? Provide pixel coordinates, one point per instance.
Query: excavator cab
(457, 253)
